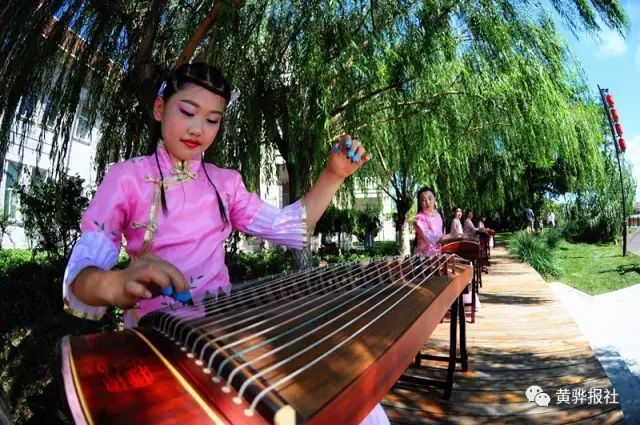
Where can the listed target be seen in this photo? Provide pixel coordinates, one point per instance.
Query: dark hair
(421, 191)
(207, 77)
(466, 214)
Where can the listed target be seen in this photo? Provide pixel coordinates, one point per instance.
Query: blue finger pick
(167, 291)
(348, 143)
(183, 297)
(355, 157)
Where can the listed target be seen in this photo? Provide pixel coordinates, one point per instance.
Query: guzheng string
(264, 301)
(221, 316)
(271, 307)
(292, 375)
(330, 299)
(344, 313)
(287, 288)
(262, 290)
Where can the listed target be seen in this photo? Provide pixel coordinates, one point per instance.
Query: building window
(48, 112)
(12, 179)
(27, 106)
(18, 174)
(82, 129)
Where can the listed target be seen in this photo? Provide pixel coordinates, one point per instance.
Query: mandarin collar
(176, 166)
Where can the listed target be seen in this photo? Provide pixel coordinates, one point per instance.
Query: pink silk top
(456, 227)
(191, 235)
(469, 228)
(428, 233)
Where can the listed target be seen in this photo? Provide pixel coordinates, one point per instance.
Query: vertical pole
(615, 145)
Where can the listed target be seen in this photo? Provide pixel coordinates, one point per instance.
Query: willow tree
(307, 71)
(415, 79)
(497, 97)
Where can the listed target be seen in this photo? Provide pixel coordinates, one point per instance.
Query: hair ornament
(162, 87)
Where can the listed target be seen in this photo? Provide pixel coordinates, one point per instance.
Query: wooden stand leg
(457, 314)
(453, 345)
(463, 338)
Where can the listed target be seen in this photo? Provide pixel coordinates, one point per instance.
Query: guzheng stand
(457, 313)
(471, 251)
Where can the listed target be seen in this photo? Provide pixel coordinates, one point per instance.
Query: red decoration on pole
(610, 99)
(614, 114)
(622, 144)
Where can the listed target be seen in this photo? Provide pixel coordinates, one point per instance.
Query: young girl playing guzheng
(175, 211)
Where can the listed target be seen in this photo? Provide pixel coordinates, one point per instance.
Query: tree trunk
(198, 35)
(402, 227)
(302, 259)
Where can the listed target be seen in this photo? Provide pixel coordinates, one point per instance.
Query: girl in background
(456, 226)
(427, 224)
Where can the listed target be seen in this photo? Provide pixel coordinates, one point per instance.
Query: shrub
(552, 237)
(533, 249)
(335, 221)
(367, 226)
(386, 249)
(594, 213)
(51, 211)
(32, 321)
(244, 266)
(5, 222)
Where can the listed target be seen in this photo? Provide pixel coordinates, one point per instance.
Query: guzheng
(320, 346)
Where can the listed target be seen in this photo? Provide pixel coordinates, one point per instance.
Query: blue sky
(613, 61)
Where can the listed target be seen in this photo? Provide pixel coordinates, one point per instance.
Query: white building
(23, 160)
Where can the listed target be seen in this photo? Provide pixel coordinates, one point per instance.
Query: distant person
(469, 228)
(551, 220)
(539, 225)
(530, 218)
(482, 227)
(456, 225)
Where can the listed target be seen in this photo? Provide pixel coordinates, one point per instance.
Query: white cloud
(612, 44)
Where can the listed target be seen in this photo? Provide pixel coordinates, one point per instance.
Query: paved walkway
(523, 337)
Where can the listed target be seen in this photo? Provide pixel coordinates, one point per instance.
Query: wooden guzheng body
(321, 346)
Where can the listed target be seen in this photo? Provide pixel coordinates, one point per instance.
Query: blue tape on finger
(335, 148)
(355, 158)
(348, 143)
(167, 291)
(183, 297)
(351, 154)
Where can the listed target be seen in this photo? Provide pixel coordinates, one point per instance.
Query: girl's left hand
(346, 157)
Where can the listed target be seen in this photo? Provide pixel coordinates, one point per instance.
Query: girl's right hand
(133, 282)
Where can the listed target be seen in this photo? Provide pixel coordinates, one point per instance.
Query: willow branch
(337, 111)
(201, 31)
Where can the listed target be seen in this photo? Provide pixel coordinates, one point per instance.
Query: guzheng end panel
(120, 378)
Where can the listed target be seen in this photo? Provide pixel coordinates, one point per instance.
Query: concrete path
(611, 324)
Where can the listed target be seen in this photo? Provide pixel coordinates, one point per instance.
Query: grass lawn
(599, 268)
(592, 268)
